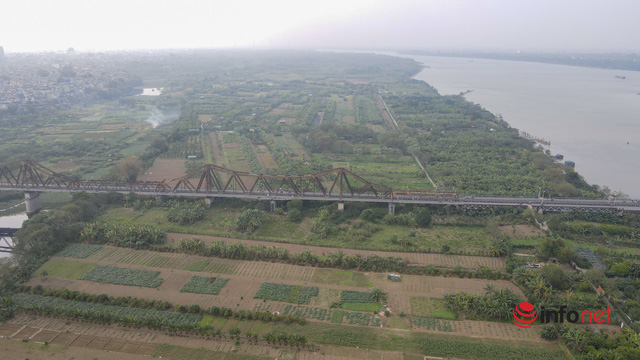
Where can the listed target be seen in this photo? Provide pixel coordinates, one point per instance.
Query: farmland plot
(333, 276)
(314, 313)
(79, 251)
(204, 285)
(117, 313)
(348, 296)
(432, 324)
(295, 294)
(121, 276)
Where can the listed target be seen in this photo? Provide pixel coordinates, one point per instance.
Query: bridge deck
(618, 205)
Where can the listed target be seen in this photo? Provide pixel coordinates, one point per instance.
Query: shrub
(250, 219)
(186, 212)
(549, 332)
(423, 218)
(402, 219)
(294, 215)
(295, 204)
(368, 215)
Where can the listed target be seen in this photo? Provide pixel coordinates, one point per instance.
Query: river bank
(588, 115)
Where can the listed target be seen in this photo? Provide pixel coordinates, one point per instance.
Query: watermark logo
(524, 314)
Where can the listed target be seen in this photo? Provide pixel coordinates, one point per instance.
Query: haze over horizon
(491, 25)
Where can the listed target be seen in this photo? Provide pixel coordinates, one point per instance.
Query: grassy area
(340, 277)
(430, 307)
(532, 241)
(63, 269)
(219, 221)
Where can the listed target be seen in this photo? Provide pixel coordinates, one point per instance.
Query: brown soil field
(164, 169)
(439, 260)
(278, 111)
(205, 118)
(350, 102)
(349, 119)
(358, 81)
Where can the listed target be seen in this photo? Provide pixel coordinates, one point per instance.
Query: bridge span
(337, 185)
(6, 239)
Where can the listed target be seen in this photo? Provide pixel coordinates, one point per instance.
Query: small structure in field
(394, 277)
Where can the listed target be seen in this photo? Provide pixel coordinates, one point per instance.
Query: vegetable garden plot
(121, 276)
(74, 309)
(308, 312)
(295, 294)
(364, 319)
(348, 296)
(432, 324)
(204, 285)
(79, 251)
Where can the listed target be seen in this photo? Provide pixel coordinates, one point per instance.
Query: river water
(11, 221)
(589, 115)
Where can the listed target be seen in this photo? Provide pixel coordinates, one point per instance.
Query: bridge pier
(32, 201)
(392, 208)
(272, 205)
(208, 201)
(341, 206)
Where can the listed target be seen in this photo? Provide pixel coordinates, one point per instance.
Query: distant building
(1, 53)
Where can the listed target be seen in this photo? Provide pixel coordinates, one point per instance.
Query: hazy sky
(543, 25)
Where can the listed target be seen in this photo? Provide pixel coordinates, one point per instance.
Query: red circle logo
(524, 314)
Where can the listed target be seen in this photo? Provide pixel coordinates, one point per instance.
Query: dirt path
(384, 111)
(438, 260)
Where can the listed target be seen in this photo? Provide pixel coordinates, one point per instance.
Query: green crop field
(121, 276)
(73, 308)
(287, 293)
(63, 269)
(348, 296)
(368, 307)
(204, 285)
(79, 251)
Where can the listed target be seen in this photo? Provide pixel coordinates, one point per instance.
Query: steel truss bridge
(6, 239)
(341, 185)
